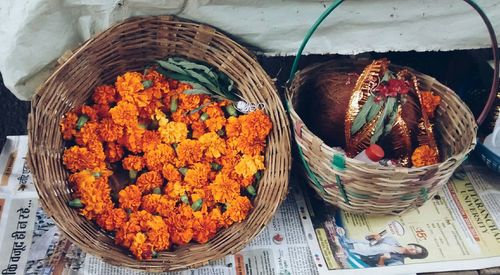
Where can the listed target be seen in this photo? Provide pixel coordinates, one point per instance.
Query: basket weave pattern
(130, 46)
(372, 189)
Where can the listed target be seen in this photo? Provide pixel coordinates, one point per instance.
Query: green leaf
(251, 190)
(196, 206)
(215, 166)
(199, 108)
(132, 174)
(188, 65)
(176, 76)
(81, 121)
(196, 92)
(379, 128)
(147, 84)
(157, 191)
(204, 116)
(171, 67)
(362, 117)
(204, 80)
(392, 118)
(183, 170)
(374, 110)
(386, 77)
(185, 199)
(173, 105)
(76, 203)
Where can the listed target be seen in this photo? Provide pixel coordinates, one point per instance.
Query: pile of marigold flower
(190, 162)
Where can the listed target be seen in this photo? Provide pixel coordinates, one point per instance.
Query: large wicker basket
(132, 45)
(373, 189)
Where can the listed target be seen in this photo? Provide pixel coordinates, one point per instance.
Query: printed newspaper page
(281, 248)
(457, 229)
(18, 206)
(35, 245)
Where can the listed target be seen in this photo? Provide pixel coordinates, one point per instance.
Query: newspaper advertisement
(457, 229)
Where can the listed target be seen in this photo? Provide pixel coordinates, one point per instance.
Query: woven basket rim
(277, 173)
(308, 134)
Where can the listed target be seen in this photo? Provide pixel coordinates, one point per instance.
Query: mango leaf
(379, 128)
(191, 65)
(176, 76)
(392, 118)
(362, 117)
(171, 67)
(197, 92)
(204, 80)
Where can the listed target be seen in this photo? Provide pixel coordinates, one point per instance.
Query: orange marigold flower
(80, 158)
(113, 219)
(198, 127)
(166, 206)
(189, 102)
(233, 127)
(109, 131)
(249, 165)
(174, 190)
(130, 197)
(214, 111)
(157, 233)
(255, 124)
(102, 110)
(88, 133)
(424, 155)
(150, 109)
(105, 95)
(430, 102)
(230, 159)
(129, 84)
(150, 140)
(150, 203)
(95, 147)
(90, 112)
(140, 247)
(173, 132)
(171, 173)
(188, 152)
(132, 162)
(238, 209)
(224, 188)
(215, 124)
(155, 76)
(197, 175)
(68, 125)
(155, 159)
(94, 193)
(181, 230)
(204, 229)
(149, 180)
(132, 139)
(114, 152)
(124, 114)
(213, 144)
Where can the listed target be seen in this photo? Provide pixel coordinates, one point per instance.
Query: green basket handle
(491, 31)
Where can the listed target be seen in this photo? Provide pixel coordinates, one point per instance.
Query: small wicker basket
(132, 45)
(373, 189)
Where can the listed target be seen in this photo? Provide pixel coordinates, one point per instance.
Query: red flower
(397, 86)
(392, 88)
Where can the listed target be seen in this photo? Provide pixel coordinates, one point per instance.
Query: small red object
(375, 152)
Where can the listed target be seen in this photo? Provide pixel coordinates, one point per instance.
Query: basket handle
(491, 31)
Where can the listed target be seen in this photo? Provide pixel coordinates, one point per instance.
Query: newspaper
(18, 206)
(281, 247)
(457, 229)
